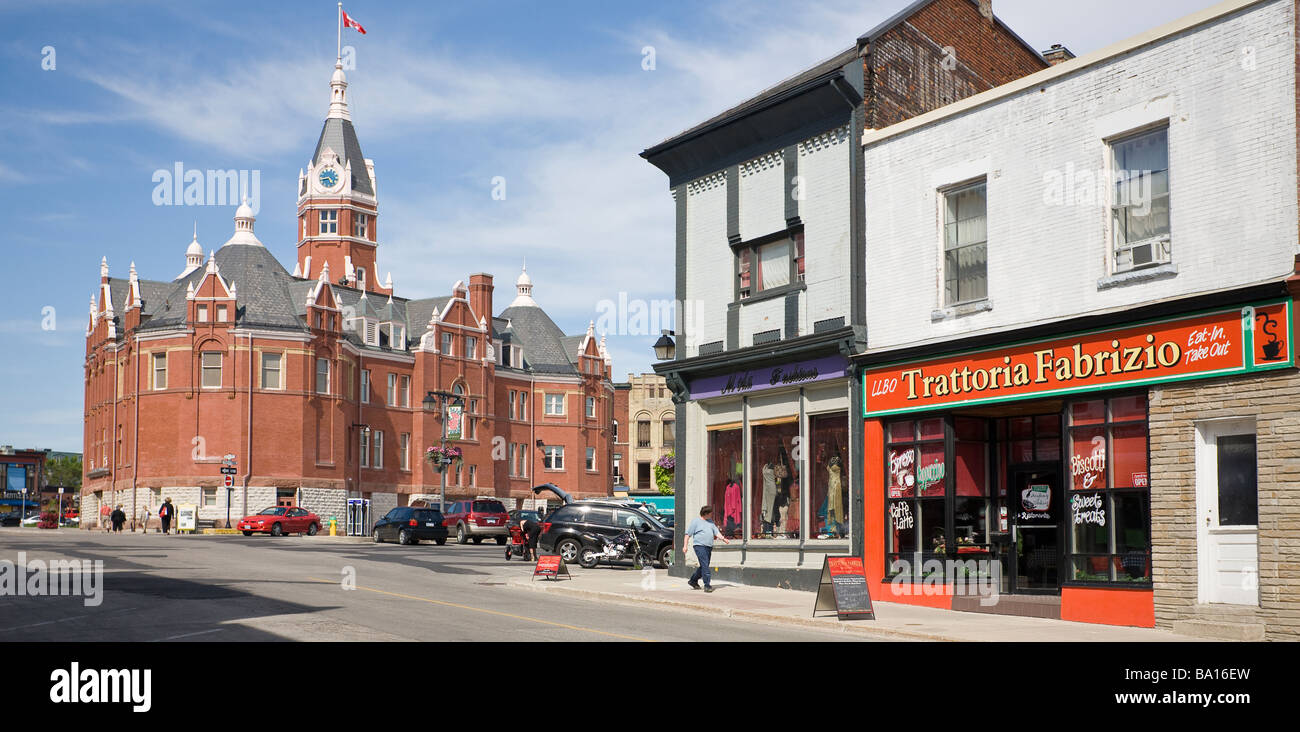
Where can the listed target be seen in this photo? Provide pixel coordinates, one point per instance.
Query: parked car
(562, 531)
(10, 519)
(519, 516)
(409, 525)
(278, 520)
(477, 520)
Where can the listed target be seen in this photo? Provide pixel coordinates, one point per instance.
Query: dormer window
(516, 357)
(384, 330)
(329, 221)
(372, 333)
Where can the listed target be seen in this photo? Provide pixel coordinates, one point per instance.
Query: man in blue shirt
(701, 532)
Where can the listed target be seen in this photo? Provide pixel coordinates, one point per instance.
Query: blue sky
(445, 97)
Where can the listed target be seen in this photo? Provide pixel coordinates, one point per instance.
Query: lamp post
(439, 399)
(665, 348)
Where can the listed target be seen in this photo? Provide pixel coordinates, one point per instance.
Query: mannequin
(766, 508)
(834, 496)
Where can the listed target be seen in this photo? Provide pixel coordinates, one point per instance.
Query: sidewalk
(894, 621)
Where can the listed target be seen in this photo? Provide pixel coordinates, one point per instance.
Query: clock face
(329, 177)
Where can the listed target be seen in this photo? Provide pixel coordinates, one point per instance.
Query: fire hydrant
(333, 526)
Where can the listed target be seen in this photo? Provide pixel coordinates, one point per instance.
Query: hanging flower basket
(440, 457)
(664, 469)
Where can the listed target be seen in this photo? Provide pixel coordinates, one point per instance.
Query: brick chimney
(480, 295)
(1057, 54)
(986, 9)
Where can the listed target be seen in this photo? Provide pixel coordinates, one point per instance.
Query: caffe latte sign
(1228, 341)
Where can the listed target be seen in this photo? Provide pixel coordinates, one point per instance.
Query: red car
(279, 520)
(477, 520)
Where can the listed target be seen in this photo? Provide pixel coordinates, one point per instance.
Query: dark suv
(407, 525)
(562, 530)
(478, 519)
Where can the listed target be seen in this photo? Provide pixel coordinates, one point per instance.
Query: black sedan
(408, 525)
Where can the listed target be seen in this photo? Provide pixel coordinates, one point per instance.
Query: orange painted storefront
(1061, 372)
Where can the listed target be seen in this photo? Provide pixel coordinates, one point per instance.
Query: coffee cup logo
(1272, 348)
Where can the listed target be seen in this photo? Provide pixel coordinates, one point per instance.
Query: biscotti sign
(1235, 340)
(769, 377)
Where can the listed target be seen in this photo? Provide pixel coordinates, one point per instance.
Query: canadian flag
(348, 22)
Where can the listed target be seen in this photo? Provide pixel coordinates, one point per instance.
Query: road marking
(491, 612)
(187, 635)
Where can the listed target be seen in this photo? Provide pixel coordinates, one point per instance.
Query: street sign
(230, 481)
(843, 588)
(551, 566)
(229, 471)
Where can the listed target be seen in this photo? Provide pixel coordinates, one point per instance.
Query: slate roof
(339, 136)
(261, 286)
(418, 313)
(541, 338)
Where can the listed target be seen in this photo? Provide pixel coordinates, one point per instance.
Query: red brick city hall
(315, 380)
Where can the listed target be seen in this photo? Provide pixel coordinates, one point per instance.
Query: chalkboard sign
(551, 566)
(843, 588)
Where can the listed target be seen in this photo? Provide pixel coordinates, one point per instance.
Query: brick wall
(1174, 412)
(946, 51)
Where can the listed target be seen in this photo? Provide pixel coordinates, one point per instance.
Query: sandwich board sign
(843, 588)
(551, 566)
(186, 515)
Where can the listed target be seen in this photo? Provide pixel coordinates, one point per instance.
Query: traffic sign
(229, 471)
(230, 481)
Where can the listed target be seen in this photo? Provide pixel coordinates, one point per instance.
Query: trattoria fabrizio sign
(1216, 343)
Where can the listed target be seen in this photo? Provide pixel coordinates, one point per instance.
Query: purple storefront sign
(769, 377)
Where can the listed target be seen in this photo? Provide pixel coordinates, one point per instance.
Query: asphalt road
(233, 588)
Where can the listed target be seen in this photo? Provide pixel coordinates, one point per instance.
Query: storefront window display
(915, 475)
(829, 442)
(726, 476)
(1109, 509)
(775, 486)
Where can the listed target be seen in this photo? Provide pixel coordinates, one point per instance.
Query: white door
(1227, 510)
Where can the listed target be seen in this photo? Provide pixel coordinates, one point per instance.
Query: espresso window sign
(1215, 343)
(551, 566)
(1108, 503)
(843, 588)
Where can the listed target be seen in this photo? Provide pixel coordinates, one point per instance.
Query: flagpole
(340, 46)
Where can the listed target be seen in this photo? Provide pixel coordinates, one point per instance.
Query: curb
(755, 615)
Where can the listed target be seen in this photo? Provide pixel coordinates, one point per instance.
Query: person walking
(165, 515)
(700, 533)
(117, 518)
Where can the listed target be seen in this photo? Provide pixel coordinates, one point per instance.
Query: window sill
(771, 294)
(1137, 276)
(961, 310)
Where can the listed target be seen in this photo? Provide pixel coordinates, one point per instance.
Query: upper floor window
(591, 459)
(329, 221)
(643, 433)
(365, 386)
(591, 407)
(965, 244)
(1140, 200)
(446, 344)
(512, 404)
(392, 390)
(770, 265)
(322, 376)
(361, 278)
(360, 224)
(405, 392)
(211, 361)
(523, 405)
(271, 371)
(554, 404)
(471, 347)
(160, 370)
(221, 313)
(203, 313)
(553, 457)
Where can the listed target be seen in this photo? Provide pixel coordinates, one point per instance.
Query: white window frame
(208, 493)
(553, 457)
(546, 405)
(360, 224)
(365, 386)
(160, 358)
(591, 407)
(378, 462)
(1160, 246)
(202, 313)
(512, 403)
(404, 456)
(205, 369)
(365, 448)
(448, 347)
(591, 460)
(326, 389)
(945, 195)
(329, 221)
(392, 390)
(471, 347)
(279, 370)
(405, 391)
(222, 312)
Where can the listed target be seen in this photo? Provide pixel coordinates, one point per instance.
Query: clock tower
(337, 205)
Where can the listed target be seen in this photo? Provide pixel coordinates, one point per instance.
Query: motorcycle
(597, 548)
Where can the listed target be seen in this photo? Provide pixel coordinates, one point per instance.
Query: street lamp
(439, 399)
(665, 349)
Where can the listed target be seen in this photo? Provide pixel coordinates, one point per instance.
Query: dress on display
(731, 504)
(835, 494)
(769, 494)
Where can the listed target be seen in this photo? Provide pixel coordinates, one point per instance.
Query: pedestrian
(106, 517)
(531, 528)
(165, 515)
(117, 518)
(701, 532)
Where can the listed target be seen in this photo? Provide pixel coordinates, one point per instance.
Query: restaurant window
(914, 465)
(828, 490)
(1109, 497)
(775, 486)
(965, 244)
(726, 474)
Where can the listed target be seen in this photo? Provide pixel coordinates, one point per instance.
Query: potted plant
(441, 456)
(664, 468)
